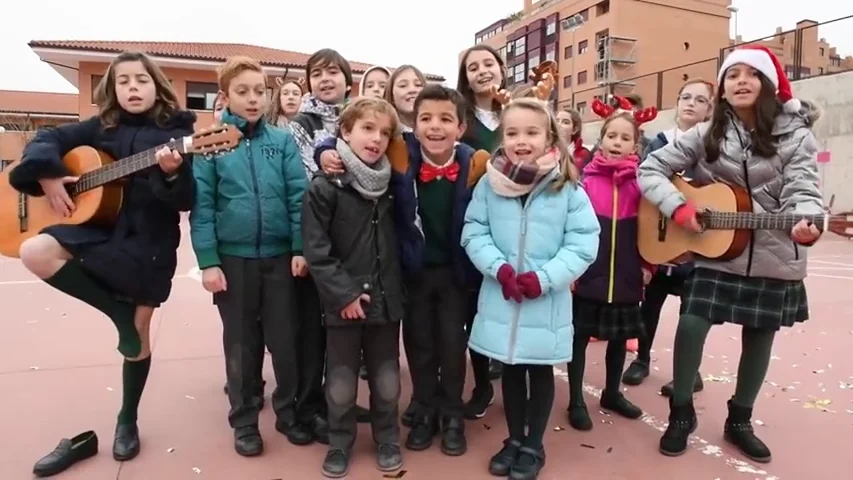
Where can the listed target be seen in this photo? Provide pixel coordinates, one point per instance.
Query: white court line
(820, 275)
(834, 264)
(697, 443)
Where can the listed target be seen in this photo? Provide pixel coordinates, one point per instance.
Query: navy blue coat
(137, 257)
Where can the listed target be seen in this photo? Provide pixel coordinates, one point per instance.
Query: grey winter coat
(785, 183)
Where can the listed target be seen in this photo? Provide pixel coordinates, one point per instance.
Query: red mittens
(528, 283)
(684, 214)
(509, 283)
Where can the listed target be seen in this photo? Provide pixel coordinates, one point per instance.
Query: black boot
(616, 402)
(481, 399)
(389, 458)
(296, 433)
(336, 464)
(409, 416)
(579, 417)
(502, 462)
(739, 432)
(528, 464)
(126, 442)
(682, 422)
(421, 435)
(698, 386)
(248, 441)
(453, 441)
(636, 372)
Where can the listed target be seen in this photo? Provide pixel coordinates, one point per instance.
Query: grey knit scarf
(371, 181)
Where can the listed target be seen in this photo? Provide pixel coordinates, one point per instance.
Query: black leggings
(614, 362)
(532, 411)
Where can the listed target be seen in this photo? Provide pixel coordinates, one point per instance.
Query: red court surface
(60, 375)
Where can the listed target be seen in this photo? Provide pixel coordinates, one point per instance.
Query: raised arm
(658, 168)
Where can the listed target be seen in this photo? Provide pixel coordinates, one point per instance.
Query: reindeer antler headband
(544, 80)
(640, 116)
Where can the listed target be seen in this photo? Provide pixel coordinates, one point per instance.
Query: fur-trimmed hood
(807, 115)
(366, 73)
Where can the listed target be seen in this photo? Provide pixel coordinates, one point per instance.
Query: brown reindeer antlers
(640, 116)
(544, 80)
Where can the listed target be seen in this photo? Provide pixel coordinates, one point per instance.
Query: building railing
(804, 52)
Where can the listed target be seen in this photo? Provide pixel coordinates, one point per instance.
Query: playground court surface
(60, 375)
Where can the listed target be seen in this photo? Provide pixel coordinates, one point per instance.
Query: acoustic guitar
(724, 212)
(97, 193)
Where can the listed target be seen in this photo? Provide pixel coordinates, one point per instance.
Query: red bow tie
(431, 172)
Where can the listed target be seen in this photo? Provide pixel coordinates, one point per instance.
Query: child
(124, 271)
(607, 297)
(693, 107)
(406, 83)
(374, 82)
(531, 231)
(351, 249)
(218, 107)
(286, 99)
(329, 85)
(432, 180)
(571, 125)
(249, 251)
(759, 138)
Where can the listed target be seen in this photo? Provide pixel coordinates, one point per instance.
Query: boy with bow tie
(433, 177)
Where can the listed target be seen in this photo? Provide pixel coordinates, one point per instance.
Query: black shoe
(579, 417)
(319, 428)
(528, 464)
(682, 422)
(481, 400)
(389, 458)
(296, 433)
(421, 435)
(616, 402)
(739, 432)
(336, 464)
(453, 441)
(66, 454)
(698, 385)
(636, 372)
(248, 441)
(496, 370)
(126, 442)
(501, 463)
(362, 415)
(362, 372)
(409, 417)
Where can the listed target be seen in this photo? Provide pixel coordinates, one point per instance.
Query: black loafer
(67, 453)
(126, 442)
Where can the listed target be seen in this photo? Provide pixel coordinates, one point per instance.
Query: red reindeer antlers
(640, 116)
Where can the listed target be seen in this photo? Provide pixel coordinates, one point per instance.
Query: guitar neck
(126, 166)
(758, 221)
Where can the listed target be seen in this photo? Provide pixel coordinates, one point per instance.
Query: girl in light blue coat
(531, 230)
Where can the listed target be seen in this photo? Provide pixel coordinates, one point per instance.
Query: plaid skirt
(763, 303)
(607, 321)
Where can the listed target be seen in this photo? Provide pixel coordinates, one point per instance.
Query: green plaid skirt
(763, 303)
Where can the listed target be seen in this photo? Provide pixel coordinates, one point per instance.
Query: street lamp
(571, 24)
(733, 9)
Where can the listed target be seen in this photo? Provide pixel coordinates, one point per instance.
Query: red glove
(509, 283)
(528, 283)
(683, 214)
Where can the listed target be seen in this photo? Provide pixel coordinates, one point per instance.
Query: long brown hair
(274, 110)
(165, 103)
(464, 87)
(568, 172)
(389, 89)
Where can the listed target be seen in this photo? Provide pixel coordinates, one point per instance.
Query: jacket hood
(366, 73)
(805, 117)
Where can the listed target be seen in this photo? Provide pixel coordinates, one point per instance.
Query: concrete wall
(834, 131)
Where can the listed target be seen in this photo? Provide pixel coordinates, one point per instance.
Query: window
(509, 46)
(582, 77)
(602, 8)
(532, 63)
(519, 73)
(519, 45)
(583, 47)
(585, 15)
(201, 96)
(552, 55)
(581, 108)
(820, 70)
(567, 81)
(567, 52)
(502, 52)
(822, 51)
(551, 28)
(478, 40)
(789, 72)
(96, 80)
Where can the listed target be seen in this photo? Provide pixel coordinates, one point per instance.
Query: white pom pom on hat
(763, 60)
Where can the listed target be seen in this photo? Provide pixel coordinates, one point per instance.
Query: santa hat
(763, 60)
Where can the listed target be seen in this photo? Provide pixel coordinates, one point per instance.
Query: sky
(428, 34)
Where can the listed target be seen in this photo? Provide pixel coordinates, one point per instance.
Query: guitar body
(100, 206)
(661, 240)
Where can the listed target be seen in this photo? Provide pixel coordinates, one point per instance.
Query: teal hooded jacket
(248, 201)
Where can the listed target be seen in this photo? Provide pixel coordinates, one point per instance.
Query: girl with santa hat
(759, 138)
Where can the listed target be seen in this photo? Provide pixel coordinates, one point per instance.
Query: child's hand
(529, 285)
(805, 233)
(331, 162)
(509, 283)
(647, 276)
(685, 216)
(213, 280)
(168, 159)
(354, 310)
(298, 266)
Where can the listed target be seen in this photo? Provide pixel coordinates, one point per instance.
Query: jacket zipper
(611, 278)
(378, 256)
(259, 223)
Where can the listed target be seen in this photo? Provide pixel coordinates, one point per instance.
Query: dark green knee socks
(689, 345)
(133, 378)
(74, 281)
